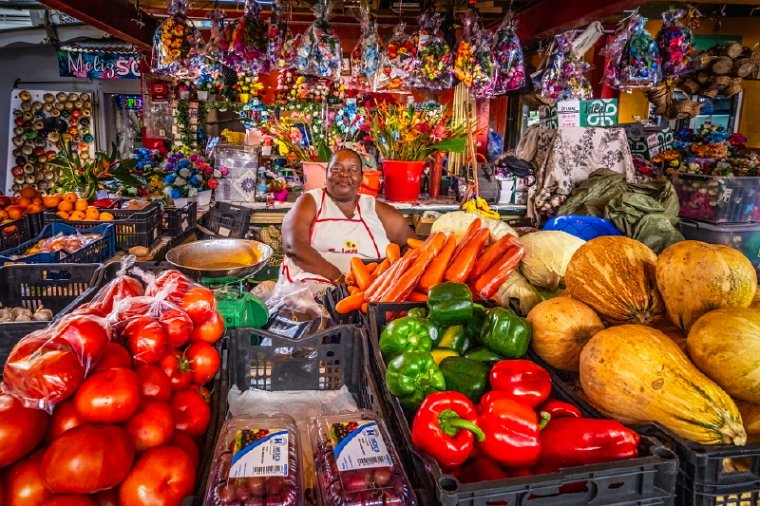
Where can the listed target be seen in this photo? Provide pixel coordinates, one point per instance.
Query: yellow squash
(637, 374)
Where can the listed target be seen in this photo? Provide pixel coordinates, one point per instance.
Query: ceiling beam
(117, 17)
(549, 17)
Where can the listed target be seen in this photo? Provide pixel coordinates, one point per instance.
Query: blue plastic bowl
(585, 227)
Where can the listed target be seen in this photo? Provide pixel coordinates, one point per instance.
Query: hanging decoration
(367, 54)
(510, 60)
(278, 32)
(217, 45)
(177, 44)
(632, 57)
(249, 41)
(397, 61)
(563, 77)
(433, 66)
(319, 52)
(474, 63)
(675, 41)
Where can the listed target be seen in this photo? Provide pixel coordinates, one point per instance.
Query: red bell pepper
(481, 469)
(569, 442)
(559, 409)
(523, 380)
(444, 428)
(511, 432)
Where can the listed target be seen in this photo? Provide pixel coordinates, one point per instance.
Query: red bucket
(402, 180)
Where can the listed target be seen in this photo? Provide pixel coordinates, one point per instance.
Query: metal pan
(220, 258)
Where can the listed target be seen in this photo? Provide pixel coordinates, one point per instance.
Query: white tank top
(338, 238)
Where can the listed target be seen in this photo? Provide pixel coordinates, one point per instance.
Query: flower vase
(202, 95)
(204, 198)
(402, 180)
(314, 175)
(244, 98)
(181, 202)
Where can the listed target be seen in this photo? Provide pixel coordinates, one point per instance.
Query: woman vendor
(328, 226)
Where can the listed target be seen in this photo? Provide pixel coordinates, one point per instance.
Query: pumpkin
(615, 276)
(695, 277)
(669, 329)
(636, 374)
(561, 328)
(725, 345)
(751, 420)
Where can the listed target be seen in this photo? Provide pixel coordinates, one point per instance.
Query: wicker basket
(704, 60)
(661, 96)
(720, 82)
(722, 65)
(755, 59)
(709, 92)
(683, 109)
(703, 77)
(734, 88)
(689, 86)
(744, 67)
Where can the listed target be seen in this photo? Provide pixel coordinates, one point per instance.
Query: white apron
(338, 238)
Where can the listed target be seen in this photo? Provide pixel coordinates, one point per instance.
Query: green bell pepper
(407, 334)
(483, 355)
(506, 333)
(476, 323)
(465, 376)
(417, 312)
(455, 338)
(450, 303)
(412, 376)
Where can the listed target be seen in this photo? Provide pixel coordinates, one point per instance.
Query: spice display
(510, 60)
(319, 52)
(433, 66)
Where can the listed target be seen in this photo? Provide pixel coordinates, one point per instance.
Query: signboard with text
(98, 65)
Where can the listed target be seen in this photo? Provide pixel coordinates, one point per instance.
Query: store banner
(98, 65)
(580, 113)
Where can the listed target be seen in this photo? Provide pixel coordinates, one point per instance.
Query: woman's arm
(296, 229)
(396, 227)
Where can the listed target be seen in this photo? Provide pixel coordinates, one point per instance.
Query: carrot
(353, 289)
(414, 243)
(382, 281)
(464, 262)
(392, 252)
(365, 308)
(402, 288)
(469, 234)
(382, 267)
(350, 303)
(350, 279)
(371, 267)
(435, 243)
(434, 273)
(488, 284)
(361, 274)
(491, 255)
(416, 296)
(392, 280)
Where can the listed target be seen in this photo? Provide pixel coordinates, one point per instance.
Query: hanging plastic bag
(278, 32)
(319, 52)
(177, 43)
(295, 312)
(675, 41)
(474, 61)
(120, 287)
(397, 61)
(367, 54)
(217, 45)
(434, 62)
(632, 58)
(249, 40)
(563, 78)
(510, 60)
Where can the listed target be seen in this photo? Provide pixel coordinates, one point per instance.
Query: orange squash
(751, 420)
(561, 328)
(615, 276)
(695, 277)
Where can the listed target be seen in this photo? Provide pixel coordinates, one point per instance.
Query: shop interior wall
(38, 66)
(633, 105)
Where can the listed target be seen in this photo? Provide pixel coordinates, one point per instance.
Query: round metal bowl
(220, 258)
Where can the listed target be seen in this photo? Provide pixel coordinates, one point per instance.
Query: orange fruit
(70, 197)
(63, 215)
(51, 201)
(15, 212)
(28, 191)
(106, 216)
(76, 216)
(3, 215)
(65, 205)
(23, 201)
(92, 213)
(33, 208)
(80, 205)
(37, 200)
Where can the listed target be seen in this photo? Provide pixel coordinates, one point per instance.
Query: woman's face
(344, 176)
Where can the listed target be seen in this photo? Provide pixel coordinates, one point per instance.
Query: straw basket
(703, 77)
(661, 96)
(683, 109)
(689, 86)
(734, 88)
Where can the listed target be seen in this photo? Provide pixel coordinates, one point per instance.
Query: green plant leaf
(454, 145)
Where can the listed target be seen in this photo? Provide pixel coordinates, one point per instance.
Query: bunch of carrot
(408, 277)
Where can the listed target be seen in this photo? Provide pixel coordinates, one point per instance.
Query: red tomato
(188, 445)
(191, 413)
(88, 336)
(65, 417)
(204, 362)
(205, 392)
(177, 324)
(108, 497)
(147, 339)
(23, 482)
(87, 459)
(176, 367)
(116, 290)
(152, 425)
(110, 396)
(162, 476)
(132, 307)
(42, 371)
(210, 331)
(156, 385)
(200, 304)
(171, 285)
(70, 500)
(115, 355)
(21, 429)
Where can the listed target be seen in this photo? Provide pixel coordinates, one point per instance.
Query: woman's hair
(349, 150)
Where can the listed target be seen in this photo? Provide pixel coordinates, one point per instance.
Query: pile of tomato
(108, 405)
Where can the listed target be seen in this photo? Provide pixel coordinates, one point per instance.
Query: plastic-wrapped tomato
(114, 291)
(146, 338)
(88, 336)
(209, 331)
(170, 284)
(115, 355)
(177, 324)
(199, 302)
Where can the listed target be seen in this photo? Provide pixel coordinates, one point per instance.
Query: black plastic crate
(96, 252)
(35, 223)
(14, 233)
(227, 220)
(647, 480)
(176, 220)
(132, 228)
(708, 475)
